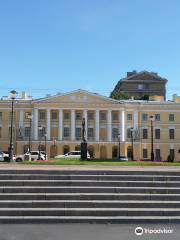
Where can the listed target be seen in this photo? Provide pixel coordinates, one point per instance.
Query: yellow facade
(58, 119)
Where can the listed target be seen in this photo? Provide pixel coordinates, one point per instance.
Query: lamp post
(132, 144)
(54, 144)
(152, 138)
(45, 138)
(119, 145)
(12, 97)
(29, 116)
(83, 142)
(39, 149)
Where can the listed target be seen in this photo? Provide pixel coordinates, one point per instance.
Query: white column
(60, 136)
(85, 117)
(120, 126)
(35, 124)
(109, 127)
(136, 120)
(21, 124)
(72, 125)
(123, 126)
(21, 119)
(97, 126)
(136, 126)
(48, 124)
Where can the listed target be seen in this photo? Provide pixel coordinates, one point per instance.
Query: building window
(145, 153)
(115, 133)
(171, 133)
(129, 117)
(158, 154)
(102, 116)
(27, 114)
(66, 116)
(140, 86)
(66, 132)
(157, 117)
(145, 133)
(115, 116)
(78, 133)
(54, 115)
(27, 131)
(171, 117)
(157, 134)
(90, 116)
(42, 132)
(172, 153)
(42, 115)
(128, 132)
(78, 116)
(90, 132)
(144, 117)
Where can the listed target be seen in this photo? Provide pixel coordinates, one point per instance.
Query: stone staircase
(54, 196)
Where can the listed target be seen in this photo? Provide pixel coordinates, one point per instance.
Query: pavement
(17, 166)
(88, 232)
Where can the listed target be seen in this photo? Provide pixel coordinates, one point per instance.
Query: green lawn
(104, 162)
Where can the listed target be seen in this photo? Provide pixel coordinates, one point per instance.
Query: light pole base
(83, 151)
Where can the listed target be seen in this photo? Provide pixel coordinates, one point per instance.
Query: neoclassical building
(56, 122)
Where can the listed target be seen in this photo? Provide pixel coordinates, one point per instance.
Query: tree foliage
(119, 95)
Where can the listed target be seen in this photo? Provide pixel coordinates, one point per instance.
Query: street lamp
(54, 147)
(119, 145)
(39, 155)
(132, 143)
(152, 138)
(12, 97)
(45, 138)
(30, 116)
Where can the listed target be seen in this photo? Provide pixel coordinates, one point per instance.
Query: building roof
(143, 76)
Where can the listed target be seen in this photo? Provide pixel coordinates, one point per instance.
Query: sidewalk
(16, 166)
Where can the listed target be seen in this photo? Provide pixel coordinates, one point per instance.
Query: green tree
(119, 95)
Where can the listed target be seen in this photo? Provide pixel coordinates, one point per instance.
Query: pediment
(78, 96)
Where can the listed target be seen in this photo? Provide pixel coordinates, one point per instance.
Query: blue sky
(50, 46)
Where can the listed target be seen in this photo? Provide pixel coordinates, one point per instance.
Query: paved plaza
(85, 232)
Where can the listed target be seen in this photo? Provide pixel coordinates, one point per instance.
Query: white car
(31, 156)
(72, 154)
(123, 158)
(4, 156)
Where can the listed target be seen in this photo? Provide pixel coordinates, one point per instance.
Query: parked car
(31, 156)
(123, 158)
(72, 154)
(4, 156)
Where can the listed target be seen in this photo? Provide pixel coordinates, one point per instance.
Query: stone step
(90, 219)
(55, 196)
(89, 212)
(89, 183)
(88, 189)
(89, 177)
(90, 172)
(88, 204)
(89, 196)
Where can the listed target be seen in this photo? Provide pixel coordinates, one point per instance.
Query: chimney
(24, 95)
(131, 73)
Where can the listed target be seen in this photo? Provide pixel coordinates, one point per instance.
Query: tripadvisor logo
(140, 231)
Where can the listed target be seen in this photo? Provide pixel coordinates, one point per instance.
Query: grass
(100, 162)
